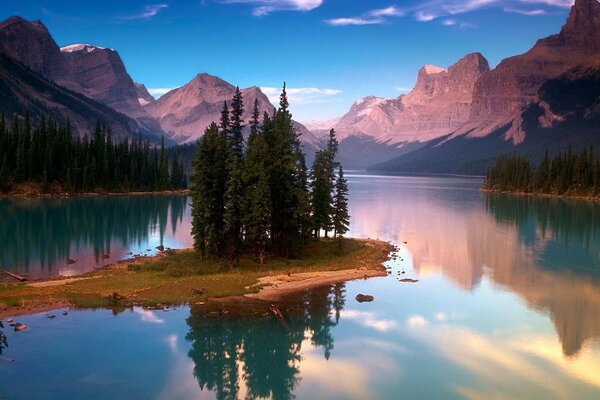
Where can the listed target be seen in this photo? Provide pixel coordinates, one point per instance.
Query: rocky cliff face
(515, 82)
(100, 71)
(102, 75)
(144, 97)
(21, 90)
(184, 113)
(439, 103)
(31, 44)
(95, 72)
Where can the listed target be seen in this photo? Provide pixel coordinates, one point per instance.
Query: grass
(181, 277)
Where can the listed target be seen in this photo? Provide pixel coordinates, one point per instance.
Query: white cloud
(264, 7)
(354, 21)
(302, 95)
(157, 92)
(403, 88)
(425, 16)
(525, 12)
(373, 17)
(149, 11)
(430, 10)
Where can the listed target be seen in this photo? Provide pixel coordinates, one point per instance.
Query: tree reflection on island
(259, 357)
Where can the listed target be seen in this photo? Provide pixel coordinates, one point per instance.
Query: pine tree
(254, 123)
(206, 215)
(258, 217)
(163, 165)
(340, 217)
(233, 186)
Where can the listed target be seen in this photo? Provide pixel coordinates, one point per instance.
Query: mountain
(566, 114)
(21, 90)
(93, 71)
(102, 75)
(439, 104)
(144, 97)
(547, 98)
(185, 112)
(501, 93)
(31, 44)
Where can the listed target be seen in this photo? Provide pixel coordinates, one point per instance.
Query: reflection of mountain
(545, 250)
(38, 235)
(234, 359)
(562, 239)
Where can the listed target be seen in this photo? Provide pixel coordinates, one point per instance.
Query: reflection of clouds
(148, 316)
(511, 366)
(441, 317)
(585, 367)
(415, 321)
(180, 380)
(320, 374)
(369, 320)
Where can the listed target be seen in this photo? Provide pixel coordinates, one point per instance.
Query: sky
(329, 52)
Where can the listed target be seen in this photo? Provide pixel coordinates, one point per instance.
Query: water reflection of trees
(566, 232)
(42, 232)
(3, 339)
(262, 354)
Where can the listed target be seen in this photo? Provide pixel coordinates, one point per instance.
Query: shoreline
(543, 195)
(265, 286)
(89, 194)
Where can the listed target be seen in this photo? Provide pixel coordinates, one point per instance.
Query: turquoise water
(40, 236)
(507, 306)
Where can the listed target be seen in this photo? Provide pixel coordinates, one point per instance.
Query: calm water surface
(507, 305)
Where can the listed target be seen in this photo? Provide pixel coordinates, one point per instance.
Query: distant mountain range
(460, 119)
(454, 120)
(86, 83)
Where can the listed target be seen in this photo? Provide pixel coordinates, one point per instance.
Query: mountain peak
(204, 80)
(88, 48)
(432, 69)
(581, 32)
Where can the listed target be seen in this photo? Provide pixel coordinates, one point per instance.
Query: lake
(507, 305)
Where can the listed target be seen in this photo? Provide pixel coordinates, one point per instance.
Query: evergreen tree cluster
(256, 198)
(51, 154)
(566, 173)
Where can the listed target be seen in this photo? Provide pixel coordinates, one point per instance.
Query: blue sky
(330, 52)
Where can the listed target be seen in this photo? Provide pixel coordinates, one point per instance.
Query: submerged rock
(160, 248)
(361, 298)
(408, 280)
(19, 327)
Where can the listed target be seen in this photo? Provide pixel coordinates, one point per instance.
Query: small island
(177, 277)
(568, 174)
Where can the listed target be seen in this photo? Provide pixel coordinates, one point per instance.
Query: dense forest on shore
(260, 197)
(50, 155)
(567, 173)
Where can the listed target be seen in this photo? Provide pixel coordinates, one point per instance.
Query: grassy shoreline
(34, 191)
(179, 277)
(566, 196)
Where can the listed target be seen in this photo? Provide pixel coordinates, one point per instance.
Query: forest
(52, 156)
(258, 196)
(566, 173)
